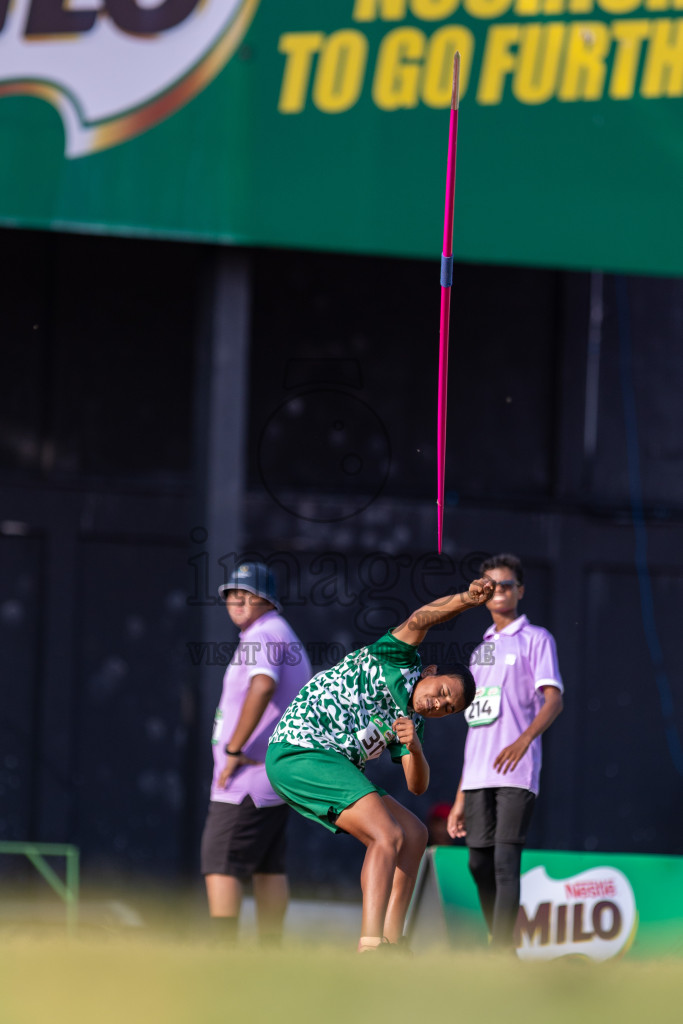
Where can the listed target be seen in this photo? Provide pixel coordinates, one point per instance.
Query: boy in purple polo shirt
(519, 694)
(244, 835)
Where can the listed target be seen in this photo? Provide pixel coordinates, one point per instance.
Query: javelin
(446, 282)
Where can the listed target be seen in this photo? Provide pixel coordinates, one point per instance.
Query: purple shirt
(520, 660)
(267, 647)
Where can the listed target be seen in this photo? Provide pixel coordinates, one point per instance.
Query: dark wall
(351, 345)
(97, 355)
(104, 565)
(96, 486)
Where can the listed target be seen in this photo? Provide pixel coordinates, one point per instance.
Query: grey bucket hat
(254, 577)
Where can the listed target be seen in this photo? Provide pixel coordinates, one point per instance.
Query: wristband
(232, 753)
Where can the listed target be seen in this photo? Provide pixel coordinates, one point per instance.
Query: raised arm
(415, 628)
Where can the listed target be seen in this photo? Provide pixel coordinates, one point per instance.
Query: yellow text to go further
(578, 61)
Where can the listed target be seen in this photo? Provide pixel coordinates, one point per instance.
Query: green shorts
(319, 784)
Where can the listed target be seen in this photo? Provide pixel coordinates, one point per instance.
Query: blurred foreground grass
(126, 979)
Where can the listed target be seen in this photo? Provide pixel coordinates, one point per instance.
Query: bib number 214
(485, 708)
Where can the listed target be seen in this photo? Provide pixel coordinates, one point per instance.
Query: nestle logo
(590, 890)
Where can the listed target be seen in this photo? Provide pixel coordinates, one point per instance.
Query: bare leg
(409, 857)
(271, 893)
(370, 821)
(224, 893)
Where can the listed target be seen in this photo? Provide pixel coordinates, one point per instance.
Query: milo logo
(115, 68)
(593, 914)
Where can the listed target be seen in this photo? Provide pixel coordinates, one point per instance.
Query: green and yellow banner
(325, 126)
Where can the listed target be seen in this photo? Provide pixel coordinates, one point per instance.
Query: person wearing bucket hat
(244, 834)
(254, 577)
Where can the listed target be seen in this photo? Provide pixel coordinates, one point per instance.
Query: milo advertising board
(595, 906)
(324, 126)
(592, 913)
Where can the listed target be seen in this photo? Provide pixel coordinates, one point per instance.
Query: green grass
(150, 978)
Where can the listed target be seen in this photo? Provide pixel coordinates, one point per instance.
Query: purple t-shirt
(268, 647)
(509, 669)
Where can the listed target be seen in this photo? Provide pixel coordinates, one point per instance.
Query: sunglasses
(505, 584)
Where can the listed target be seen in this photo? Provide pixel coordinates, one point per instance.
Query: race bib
(485, 708)
(374, 738)
(217, 727)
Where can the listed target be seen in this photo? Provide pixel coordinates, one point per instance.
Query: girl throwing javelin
(373, 699)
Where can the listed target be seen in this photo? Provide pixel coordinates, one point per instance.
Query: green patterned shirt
(351, 707)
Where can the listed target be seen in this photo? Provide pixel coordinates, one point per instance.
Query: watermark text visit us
(250, 652)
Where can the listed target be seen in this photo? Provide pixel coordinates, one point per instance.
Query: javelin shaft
(446, 281)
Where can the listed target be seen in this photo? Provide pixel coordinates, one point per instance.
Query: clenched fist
(482, 590)
(406, 734)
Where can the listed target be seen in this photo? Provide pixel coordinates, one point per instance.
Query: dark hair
(469, 687)
(504, 561)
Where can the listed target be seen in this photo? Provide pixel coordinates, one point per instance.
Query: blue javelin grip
(446, 271)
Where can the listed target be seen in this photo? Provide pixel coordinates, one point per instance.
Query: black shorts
(242, 840)
(497, 815)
